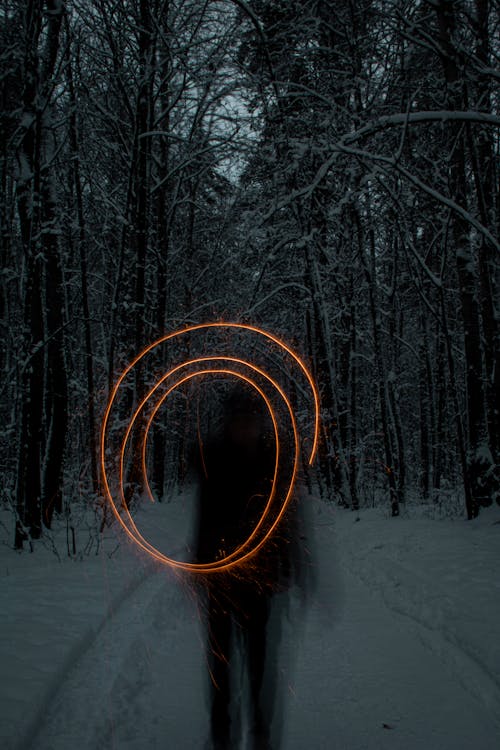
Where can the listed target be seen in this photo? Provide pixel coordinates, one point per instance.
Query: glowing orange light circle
(237, 555)
(252, 544)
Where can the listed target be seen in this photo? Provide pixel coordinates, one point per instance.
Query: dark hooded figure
(235, 482)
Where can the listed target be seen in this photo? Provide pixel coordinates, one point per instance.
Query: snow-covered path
(369, 682)
(355, 674)
(133, 686)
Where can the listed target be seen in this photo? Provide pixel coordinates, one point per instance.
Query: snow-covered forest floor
(395, 647)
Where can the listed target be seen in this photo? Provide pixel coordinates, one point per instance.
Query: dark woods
(327, 170)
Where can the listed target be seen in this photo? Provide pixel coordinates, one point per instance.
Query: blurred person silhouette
(235, 480)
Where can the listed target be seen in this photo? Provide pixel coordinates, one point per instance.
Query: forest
(325, 170)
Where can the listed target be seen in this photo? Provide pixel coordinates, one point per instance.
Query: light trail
(242, 326)
(259, 535)
(238, 552)
(196, 360)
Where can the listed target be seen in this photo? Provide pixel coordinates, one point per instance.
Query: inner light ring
(267, 509)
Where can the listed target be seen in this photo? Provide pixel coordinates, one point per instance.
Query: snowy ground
(398, 646)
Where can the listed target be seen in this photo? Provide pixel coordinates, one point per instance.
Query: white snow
(396, 646)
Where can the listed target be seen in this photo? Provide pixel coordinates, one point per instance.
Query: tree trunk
(88, 353)
(28, 489)
(465, 263)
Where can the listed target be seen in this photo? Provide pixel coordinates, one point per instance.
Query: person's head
(243, 418)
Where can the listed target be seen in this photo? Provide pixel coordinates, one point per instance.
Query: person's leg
(260, 714)
(219, 652)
